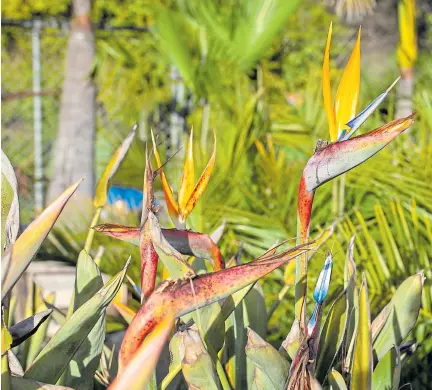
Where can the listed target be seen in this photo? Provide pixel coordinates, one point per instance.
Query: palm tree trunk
(74, 150)
(405, 93)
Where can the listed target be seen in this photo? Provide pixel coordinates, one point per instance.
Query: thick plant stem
(91, 232)
(335, 195)
(149, 262)
(341, 200)
(304, 208)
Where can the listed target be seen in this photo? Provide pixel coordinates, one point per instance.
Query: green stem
(169, 377)
(219, 369)
(335, 194)
(91, 232)
(341, 195)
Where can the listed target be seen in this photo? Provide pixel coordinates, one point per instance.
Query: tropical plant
(254, 189)
(200, 347)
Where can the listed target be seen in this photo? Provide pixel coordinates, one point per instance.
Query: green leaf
(257, 28)
(336, 381)
(170, 32)
(83, 366)
(387, 372)
(28, 243)
(268, 360)
(9, 205)
(197, 366)
(56, 355)
(405, 307)
(362, 362)
(27, 384)
(332, 336)
(350, 274)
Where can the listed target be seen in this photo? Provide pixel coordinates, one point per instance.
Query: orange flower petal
(347, 95)
(326, 85)
(188, 176)
(169, 197)
(201, 184)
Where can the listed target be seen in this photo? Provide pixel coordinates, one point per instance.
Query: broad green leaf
(336, 381)
(9, 204)
(386, 375)
(361, 378)
(258, 26)
(115, 161)
(350, 275)
(267, 359)
(56, 355)
(27, 384)
(332, 336)
(405, 305)
(169, 31)
(197, 366)
(82, 367)
(28, 243)
(254, 316)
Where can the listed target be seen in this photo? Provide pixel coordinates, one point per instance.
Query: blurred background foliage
(256, 82)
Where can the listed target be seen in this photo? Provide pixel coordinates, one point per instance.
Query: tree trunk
(74, 150)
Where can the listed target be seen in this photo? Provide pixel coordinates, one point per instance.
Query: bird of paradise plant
(348, 351)
(188, 192)
(343, 154)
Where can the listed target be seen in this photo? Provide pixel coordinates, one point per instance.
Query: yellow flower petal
(327, 94)
(169, 197)
(188, 176)
(347, 95)
(201, 185)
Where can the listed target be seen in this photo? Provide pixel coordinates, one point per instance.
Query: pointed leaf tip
(101, 195)
(28, 243)
(347, 94)
(172, 206)
(326, 85)
(356, 122)
(187, 181)
(201, 184)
